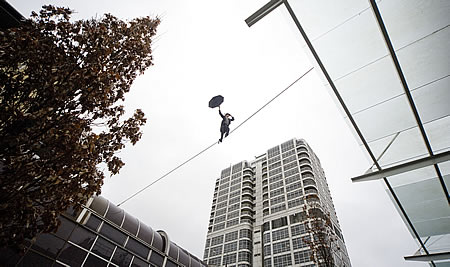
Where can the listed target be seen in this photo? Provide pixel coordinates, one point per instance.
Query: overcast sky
(204, 48)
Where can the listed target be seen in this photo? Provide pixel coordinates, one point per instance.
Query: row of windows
(274, 159)
(280, 234)
(287, 145)
(277, 200)
(277, 208)
(276, 185)
(290, 165)
(280, 247)
(289, 159)
(274, 171)
(274, 165)
(289, 153)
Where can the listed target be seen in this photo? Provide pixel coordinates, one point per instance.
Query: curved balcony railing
(309, 181)
(303, 154)
(304, 161)
(305, 168)
(310, 190)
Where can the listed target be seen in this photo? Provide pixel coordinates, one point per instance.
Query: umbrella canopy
(215, 101)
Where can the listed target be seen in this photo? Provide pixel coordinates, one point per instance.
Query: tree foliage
(321, 239)
(61, 88)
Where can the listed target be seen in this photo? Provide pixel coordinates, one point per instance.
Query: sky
(202, 49)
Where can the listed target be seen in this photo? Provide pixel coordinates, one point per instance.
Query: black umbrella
(216, 101)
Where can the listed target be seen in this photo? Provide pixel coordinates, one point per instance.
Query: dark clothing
(224, 127)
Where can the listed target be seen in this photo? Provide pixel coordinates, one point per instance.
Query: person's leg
(228, 132)
(221, 135)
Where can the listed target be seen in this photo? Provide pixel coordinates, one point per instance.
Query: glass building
(258, 210)
(101, 234)
(387, 66)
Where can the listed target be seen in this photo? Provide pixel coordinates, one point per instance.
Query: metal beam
(263, 11)
(431, 257)
(405, 167)
(390, 47)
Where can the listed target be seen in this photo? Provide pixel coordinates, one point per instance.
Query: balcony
(303, 155)
(310, 190)
(309, 181)
(304, 161)
(305, 168)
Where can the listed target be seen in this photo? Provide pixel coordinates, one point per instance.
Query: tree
(321, 239)
(61, 88)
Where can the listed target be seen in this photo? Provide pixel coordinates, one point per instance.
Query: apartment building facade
(259, 210)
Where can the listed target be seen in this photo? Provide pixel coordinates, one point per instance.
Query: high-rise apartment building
(260, 211)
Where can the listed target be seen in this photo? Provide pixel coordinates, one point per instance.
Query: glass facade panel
(156, 259)
(103, 248)
(34, 259)
(139, 263)
(121, 257)
(93, 261)
(137, 248)
(72, 255)
(113, 234)
(48, 244)
(93, 222)
(82, 237)
(65, 228)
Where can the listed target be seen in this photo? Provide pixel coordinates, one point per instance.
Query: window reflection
(103, 248)
(72, 255)
(82, 237)
(121, 257)
(48, 244)
(93, 261)
(113, 234)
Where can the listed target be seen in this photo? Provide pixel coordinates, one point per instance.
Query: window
(273, 152)
(235, 193)
(266, 238)
(94, 261)
(276, 192)
(292, 179)
(294, 186)
(275, 178)
(302, 256)
(275, 185)
(289, 153)
(214, 251)
(294, 194)
(245, 244)
(232, 222)
(48, 244)
(275, 171)
(223, 192)
(230, 258)
(295, 203)
(82, 237)
(245, 256)
(268, 262)
(229, 247)
(298, 229)
(299, 242)
(277, 223)
(278, 208)
(221, 205)
(289, 159)
(72, 255)
(282, 246)
(266, 226)
(214, 261)
(137, 248)
(234, 200)
(234, 207)
(219, 219)
(290, 166)
(235, 187)
(231, 236)
(277, 200)
(103, 248)
(280, 234)
(267, 250)
(222, 198)
(218, 227)
(121, 257)
(275, 165)
(155, 258)
(287, 145)
(221, 212)
(245, 233)
(291, 172)
(233, 214)
(282, 261)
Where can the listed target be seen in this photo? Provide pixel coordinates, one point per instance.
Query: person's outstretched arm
(220, 113)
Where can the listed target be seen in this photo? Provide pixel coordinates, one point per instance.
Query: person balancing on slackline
(224, 127)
